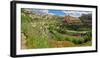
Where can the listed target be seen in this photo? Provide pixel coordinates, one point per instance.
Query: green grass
(25, 19)
(88, 43)
(76, 40)
(74, 32)
(37, 42)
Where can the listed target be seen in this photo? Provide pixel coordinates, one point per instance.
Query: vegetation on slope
(48, 31)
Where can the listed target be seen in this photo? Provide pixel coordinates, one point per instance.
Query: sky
(74, 13)
(56, 12)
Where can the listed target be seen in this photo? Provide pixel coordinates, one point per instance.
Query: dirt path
(59, 44)
(23, 41)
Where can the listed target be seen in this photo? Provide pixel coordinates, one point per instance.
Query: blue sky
(57, 12)
(74, 13)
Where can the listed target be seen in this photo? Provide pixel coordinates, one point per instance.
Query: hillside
(49, 31)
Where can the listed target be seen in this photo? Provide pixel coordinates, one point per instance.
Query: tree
(86, 19)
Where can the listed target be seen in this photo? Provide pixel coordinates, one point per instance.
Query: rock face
(72, 20)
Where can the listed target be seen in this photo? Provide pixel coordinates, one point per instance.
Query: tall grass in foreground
(33, 38)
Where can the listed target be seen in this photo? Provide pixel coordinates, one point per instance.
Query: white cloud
(38, 11)
(76, 13)
(43, 11)
(51, 13)
(85, 12)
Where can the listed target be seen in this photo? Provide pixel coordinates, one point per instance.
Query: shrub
(78, 40)
(75, 39)
(61, 37)
(88, 36)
